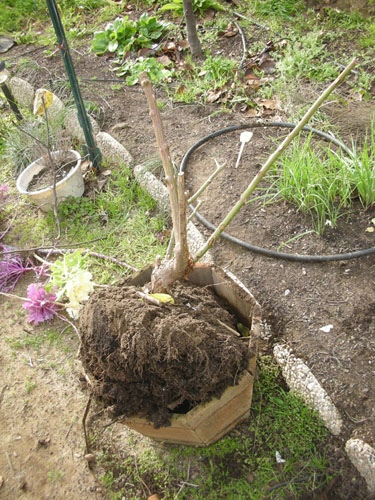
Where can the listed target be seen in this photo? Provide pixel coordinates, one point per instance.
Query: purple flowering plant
(12, 267)
(41, 304)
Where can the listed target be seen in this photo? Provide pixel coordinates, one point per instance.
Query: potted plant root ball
(163, 351)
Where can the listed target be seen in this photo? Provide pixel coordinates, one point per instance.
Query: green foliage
(155, 70)
(124, 219)
(124, 35)
(323, 183)
(14, 15)
(217, 71)
(177, 6)
(363, 171)
(305, 59)
(278, 8)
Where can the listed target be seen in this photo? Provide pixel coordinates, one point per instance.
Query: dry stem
(167, 272)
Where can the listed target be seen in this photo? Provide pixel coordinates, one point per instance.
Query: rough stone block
(22, 91)
(112, 150)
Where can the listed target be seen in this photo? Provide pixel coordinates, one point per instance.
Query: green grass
(49, 337)
(124, 218)
(242, 465)
(286, 9)
(323, 182)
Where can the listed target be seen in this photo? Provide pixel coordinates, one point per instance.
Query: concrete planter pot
(206, 423)
(71, 185)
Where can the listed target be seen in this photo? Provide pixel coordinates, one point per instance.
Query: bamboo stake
(271, 160)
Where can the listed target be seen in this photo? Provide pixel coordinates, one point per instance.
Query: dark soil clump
(151, 361)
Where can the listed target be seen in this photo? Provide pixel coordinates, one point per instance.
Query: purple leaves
(41, 304)
(11, 270)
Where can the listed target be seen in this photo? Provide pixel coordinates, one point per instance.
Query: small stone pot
(71, 185)
(206, 423)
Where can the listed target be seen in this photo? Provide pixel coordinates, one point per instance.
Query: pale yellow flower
(78, 289)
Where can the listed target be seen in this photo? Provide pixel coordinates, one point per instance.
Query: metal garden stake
(8, 94)
(84, 120)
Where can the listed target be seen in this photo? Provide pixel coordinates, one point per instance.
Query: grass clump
(123, 216)
(278, 8)
(323, 184)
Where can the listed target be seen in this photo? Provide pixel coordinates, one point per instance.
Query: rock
(300, 378)
(155, 188)
(74, 128)
(22, 91)
(112, 150)
(362, 457)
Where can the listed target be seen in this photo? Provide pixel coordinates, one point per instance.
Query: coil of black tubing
(265, 251)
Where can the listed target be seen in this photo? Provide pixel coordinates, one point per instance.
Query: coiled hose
(265, 251)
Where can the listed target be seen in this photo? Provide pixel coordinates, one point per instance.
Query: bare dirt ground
(42, 441)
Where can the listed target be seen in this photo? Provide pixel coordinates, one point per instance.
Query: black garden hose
(265, 251)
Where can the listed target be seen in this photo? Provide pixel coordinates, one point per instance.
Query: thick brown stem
(168, 271)
(191, 28)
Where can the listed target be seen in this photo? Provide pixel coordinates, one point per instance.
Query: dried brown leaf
(164, 60)
(213, 96)
(145, 52)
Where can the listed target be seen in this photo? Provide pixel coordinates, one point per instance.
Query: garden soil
(149, 360)
(298, 299)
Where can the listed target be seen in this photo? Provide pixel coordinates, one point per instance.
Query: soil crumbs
(152, 361)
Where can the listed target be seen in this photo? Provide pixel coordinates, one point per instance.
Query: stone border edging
(296, 373)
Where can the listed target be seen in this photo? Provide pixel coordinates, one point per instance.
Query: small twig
(70, 428)
(13, 296)
(84, 424)
(244, 47)
(229, 328)
(2, 392)
(48, 247)
(358, 421)
(10, 224)
(196, 208)
(52, 165)
(219, 168)
(63, 318)
(252, 22)
(144, 485)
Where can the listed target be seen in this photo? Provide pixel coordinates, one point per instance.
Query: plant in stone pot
(56, 173)
(163, 350)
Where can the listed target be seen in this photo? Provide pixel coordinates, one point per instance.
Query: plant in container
(56, 174)
(163, 351)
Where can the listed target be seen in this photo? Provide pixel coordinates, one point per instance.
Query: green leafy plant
(124, 35)
(177, 6)
(304, 58)
(155, 70)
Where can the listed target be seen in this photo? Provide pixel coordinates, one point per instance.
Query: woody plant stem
(167, 272)
(271, 160)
